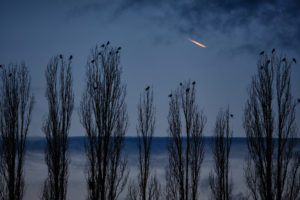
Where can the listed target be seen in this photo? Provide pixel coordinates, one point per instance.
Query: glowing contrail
(197, 43)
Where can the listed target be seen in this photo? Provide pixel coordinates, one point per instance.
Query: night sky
(156, 51)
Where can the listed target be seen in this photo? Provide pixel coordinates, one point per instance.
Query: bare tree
(269, 122)
(56, 127)
(104, 117)
(220, 184)
(16, 103)
(148, 187)
(186, 153)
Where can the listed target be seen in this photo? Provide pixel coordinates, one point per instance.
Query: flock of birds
(194, 82)
(273, 51)
(148, 87)
(186, 90)
(105, 45)
(283, 60)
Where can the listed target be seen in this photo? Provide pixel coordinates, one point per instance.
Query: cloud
(259, 24)
(271, 22)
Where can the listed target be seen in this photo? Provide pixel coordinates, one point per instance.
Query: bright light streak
(197, 43)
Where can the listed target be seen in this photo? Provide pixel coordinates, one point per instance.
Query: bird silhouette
(95, 87)
(284, 59)
(110, 53)
(10, 74)
(107, 43)
(273, 50)
(268, 61)
(298, 100)
(170, 95)
(194, 82)
(1, 66)
(147, 88)
(261, 67)
(60, 56)
(119, 48)
(261, 53)
(102, 45)
(180, 84)
(231, 115)
(99, 53)
(70, 58)
(187, 90)
(294, 59)
(92, 61)
(117, 52)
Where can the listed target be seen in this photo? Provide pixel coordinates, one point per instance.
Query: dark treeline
(272, 165)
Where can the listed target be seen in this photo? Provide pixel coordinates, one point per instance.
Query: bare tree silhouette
(103, 115)
(269, 122)
(185, 157)
(16, 104)
(220, 184)
(148, 187)
(59, 94)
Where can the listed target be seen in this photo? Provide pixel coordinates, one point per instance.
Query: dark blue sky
(154, 36)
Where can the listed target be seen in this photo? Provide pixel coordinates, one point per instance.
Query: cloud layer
(272, 23)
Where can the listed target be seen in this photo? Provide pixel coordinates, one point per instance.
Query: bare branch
(16, 104)
(145, 130)
(269, 123)
(185, 156)
(56, 127)
(220, 184)
(104, 117)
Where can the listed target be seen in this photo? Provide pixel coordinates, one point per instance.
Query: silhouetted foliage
(16, 104)
(104, 118)
(59, 94)
(147, 187)
(220, 184)
(269, 122)
(185, 157)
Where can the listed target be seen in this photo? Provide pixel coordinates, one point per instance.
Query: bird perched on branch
(284, 59)
(231, 115)
(261, 67)
(70, 58)
(180, 84)
(10, 74)
(0, 66)
(60, 56)
(194, 82)
(298, 100)
(273, 50)
(119, 48)
(102, 45)
(268, 61)
(92, 61)
(170, 95)
(107, 43)
(147, 88)
(261, 53)
(187, 90)
(294, 59)
(99, 53)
